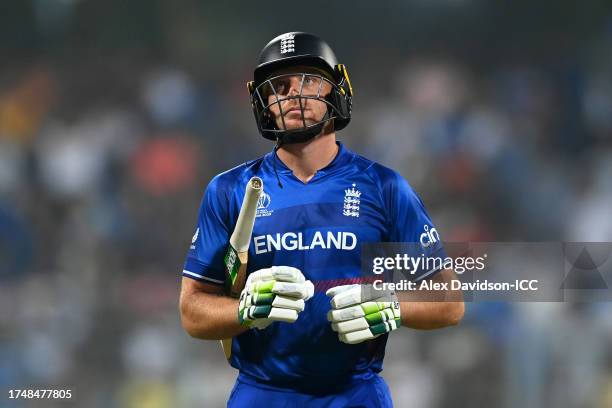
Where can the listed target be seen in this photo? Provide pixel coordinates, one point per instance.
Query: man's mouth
(294, 110)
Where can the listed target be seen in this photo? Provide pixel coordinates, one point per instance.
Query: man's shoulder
(380, 173)
(239, 174)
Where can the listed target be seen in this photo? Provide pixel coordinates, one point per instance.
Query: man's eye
(312, 83)
(280, 86)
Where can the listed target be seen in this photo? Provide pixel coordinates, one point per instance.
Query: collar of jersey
(342, 157)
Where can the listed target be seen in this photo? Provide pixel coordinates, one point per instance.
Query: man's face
(287, 86)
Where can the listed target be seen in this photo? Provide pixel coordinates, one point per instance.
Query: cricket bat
(237, 255)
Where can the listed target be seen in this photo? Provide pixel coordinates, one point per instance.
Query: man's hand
(273, 294)
(359, 312)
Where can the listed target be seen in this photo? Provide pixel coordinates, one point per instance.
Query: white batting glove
(360, 313)
(273, 294)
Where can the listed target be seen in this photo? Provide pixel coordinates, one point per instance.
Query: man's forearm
(434, 309)
(209, 316)
(431, 315)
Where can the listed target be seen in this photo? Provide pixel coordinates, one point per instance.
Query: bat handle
(238, 285)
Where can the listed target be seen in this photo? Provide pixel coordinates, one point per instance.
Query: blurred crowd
(103, 161)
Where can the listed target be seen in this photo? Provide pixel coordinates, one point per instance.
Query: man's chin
(297, 124)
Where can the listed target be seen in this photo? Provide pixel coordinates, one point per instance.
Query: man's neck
(305, 159)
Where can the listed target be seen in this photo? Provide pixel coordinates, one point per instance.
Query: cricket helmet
(299, 49)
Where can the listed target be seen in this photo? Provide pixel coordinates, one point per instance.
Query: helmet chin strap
(301, 136)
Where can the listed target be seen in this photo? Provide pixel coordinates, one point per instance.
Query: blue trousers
(371, 393)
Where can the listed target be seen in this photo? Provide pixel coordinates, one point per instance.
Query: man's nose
(294, 86)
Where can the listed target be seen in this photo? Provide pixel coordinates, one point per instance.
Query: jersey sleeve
(410, 224)
(204, 261)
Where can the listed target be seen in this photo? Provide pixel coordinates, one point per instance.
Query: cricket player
(308, 330)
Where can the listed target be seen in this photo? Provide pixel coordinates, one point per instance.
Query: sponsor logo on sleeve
(195, 237)
(429, 237)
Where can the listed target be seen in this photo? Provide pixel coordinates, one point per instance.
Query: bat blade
(237, 254)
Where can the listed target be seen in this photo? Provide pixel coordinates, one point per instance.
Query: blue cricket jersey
(318, 228)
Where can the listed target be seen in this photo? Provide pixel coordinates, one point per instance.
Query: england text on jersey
(295, 241)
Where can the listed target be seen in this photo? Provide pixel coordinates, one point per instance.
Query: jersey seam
(205, 267)
(376, 181)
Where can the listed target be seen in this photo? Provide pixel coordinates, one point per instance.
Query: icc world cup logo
(264, 201)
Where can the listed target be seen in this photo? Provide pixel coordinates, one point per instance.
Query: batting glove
(273, 294)
(360, 313)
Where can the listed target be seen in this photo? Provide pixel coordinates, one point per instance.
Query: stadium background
(114, 116)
